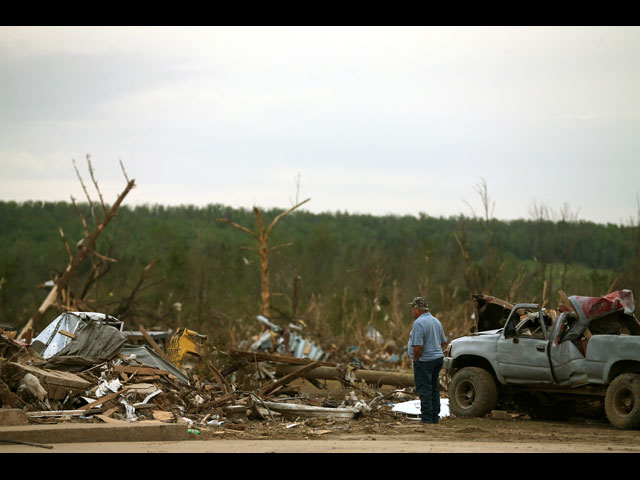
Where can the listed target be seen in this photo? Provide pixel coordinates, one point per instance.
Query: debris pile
(85, 367)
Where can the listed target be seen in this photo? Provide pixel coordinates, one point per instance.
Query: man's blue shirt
(428, 332)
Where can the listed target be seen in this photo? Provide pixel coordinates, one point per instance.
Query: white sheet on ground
(412, 408)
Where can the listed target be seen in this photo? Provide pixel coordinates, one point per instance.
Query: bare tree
(567, 221)
(485, 277)
(84, 248)
(261, 235)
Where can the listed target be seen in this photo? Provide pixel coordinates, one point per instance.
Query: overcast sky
(378, 120)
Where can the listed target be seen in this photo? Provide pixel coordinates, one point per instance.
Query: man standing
(426, 344)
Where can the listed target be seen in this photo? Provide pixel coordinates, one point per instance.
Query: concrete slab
(12, 417)
(145, 431)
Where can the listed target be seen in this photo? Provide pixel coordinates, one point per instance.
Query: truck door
(523, 347)
(567, 361)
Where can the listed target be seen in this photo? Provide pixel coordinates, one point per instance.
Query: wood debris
(244, 386)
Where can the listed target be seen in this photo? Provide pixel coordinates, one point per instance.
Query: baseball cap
(419, 302)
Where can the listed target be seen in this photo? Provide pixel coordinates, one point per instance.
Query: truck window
(525, 324)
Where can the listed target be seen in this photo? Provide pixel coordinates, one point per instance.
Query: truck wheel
(622, 402)
(472, 392)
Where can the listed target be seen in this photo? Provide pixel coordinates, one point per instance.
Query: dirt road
(378, 434)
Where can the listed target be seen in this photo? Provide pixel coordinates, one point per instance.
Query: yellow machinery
(186, 348)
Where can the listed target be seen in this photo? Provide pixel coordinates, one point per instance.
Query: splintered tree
(84, 249)
(261, 235)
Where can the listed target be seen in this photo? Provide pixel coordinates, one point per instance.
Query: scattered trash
(286, 341)
(105, 387)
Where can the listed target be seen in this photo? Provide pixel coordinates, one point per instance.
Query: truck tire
(622, 402)
(472, 392)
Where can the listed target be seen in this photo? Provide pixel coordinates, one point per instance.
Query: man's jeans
(426, 376)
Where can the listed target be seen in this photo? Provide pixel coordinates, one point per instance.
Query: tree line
(181, 266)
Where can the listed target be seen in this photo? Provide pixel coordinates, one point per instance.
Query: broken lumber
(374, 377)
(220, 400)
(72, 336)
(132, 369)
(287, 378)
(56, 383)
(104, 399)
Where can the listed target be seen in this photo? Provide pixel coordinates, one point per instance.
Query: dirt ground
(377, 433)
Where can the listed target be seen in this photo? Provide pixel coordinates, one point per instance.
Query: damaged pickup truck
(547, 364)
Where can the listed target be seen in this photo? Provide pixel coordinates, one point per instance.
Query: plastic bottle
(193, 431)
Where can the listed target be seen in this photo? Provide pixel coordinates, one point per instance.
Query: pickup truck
(547, 363)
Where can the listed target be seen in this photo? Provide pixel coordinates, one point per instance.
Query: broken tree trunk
(373, 377)
(326, 370)
(272, 357)
(84, 248)
(263, 249)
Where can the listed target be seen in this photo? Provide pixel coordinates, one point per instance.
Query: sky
(376, 120)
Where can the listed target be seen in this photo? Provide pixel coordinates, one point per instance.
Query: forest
(338, 274)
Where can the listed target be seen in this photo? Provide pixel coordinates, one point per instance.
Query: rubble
(84, 367)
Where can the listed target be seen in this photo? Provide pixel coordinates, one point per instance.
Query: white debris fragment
(148, 397)
(412, 408)
(105, 387)
(130, 411)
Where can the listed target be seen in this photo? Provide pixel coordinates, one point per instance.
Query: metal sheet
(50, 341)
(147, 356)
